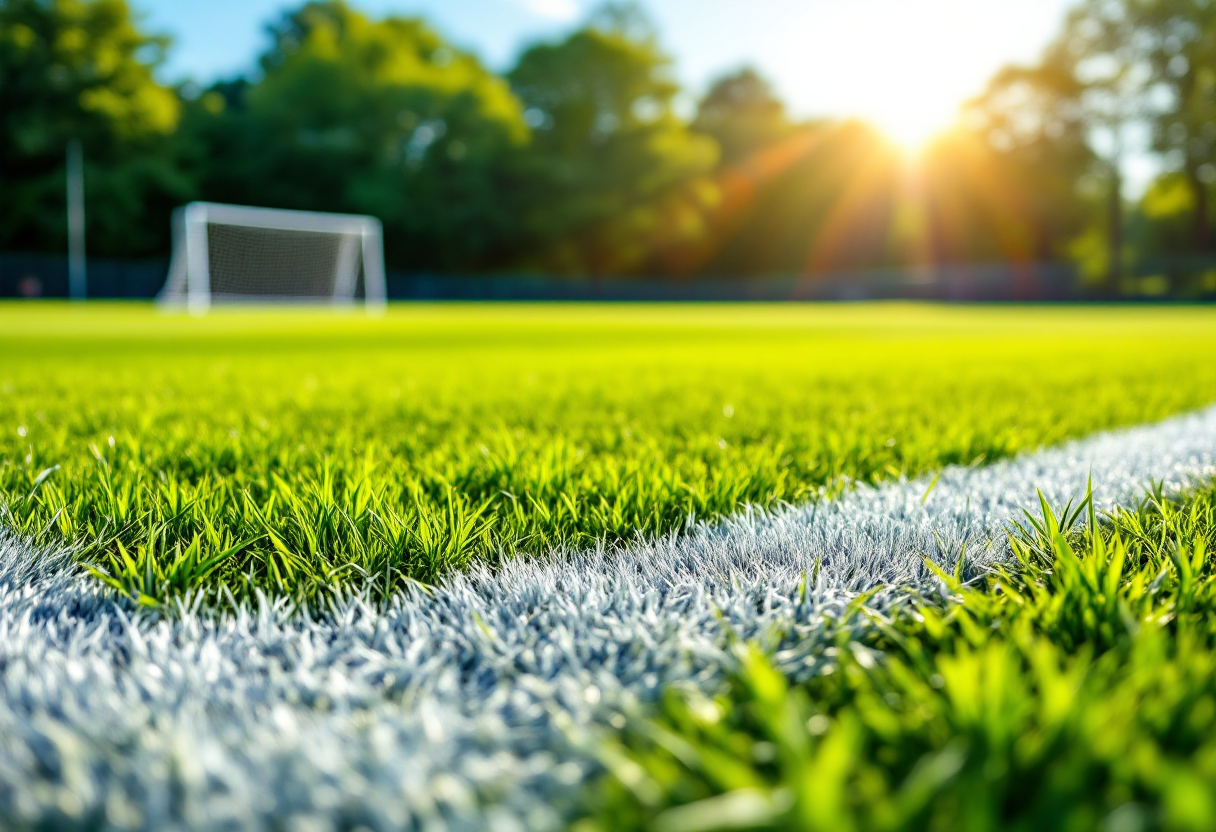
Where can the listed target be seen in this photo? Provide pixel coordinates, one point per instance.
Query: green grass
(293, 451)
(1075, 691)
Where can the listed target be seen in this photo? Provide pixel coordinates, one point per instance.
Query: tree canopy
(610, 164)
(83, 69)
(743, 115)
(372, 116)
(587, 157)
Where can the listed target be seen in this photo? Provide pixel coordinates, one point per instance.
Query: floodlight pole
(77, 280)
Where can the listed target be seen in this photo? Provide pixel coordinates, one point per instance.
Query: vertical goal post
(242, 254)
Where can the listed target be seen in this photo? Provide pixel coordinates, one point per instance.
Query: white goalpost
(241, 254)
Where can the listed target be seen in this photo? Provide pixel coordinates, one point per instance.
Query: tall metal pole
(76, 261)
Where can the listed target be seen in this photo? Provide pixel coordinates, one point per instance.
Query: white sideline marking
(464, 708)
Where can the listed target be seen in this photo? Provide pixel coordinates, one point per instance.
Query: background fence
(44, 275)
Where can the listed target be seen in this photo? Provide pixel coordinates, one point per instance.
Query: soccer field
(501, 567)
(298, 450)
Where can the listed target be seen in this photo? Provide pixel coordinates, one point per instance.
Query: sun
(910, 85)
(905, 67)
(911, 131)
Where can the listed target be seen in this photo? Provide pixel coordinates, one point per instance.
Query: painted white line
(461, 709)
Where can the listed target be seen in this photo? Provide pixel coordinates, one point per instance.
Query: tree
(1024, 187)
(371, 116)
(1057, 124)
(743, 115)
(1103, 43)
(612, 172)
(82, 69)
(819, 202)
(1178, 38)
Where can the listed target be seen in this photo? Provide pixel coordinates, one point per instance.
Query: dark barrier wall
(46, 275)
(1051, 282)
(42, 275)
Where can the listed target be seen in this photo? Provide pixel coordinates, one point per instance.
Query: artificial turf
(1072, 689)
(295, 451)
(494, 700)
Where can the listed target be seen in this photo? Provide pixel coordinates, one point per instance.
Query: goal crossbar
(354, 248)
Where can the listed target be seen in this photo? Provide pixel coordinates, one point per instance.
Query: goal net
(236, 253)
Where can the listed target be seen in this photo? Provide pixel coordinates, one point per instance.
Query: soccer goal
(241, 254)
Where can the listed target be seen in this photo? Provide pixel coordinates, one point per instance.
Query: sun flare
(913, 94)
(905, 67)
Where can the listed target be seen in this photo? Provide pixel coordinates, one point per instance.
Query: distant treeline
(578, 161)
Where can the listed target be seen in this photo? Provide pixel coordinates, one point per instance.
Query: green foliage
(81, 69)
(1075, 690)
(821, 201)
(1178, 42)
(312, 450)
(612, 172)
(372, 116)
(792, 198)
(578, 161)
(1140, 64)
(1161, 243)
(575, 161)
(743, 115)
(1033, 163)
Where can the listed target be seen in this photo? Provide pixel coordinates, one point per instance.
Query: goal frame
(190, 241)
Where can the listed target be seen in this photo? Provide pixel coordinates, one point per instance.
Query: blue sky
(905, 64)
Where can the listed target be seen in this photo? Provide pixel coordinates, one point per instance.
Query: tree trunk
(1201, 232)
(1115, 230)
